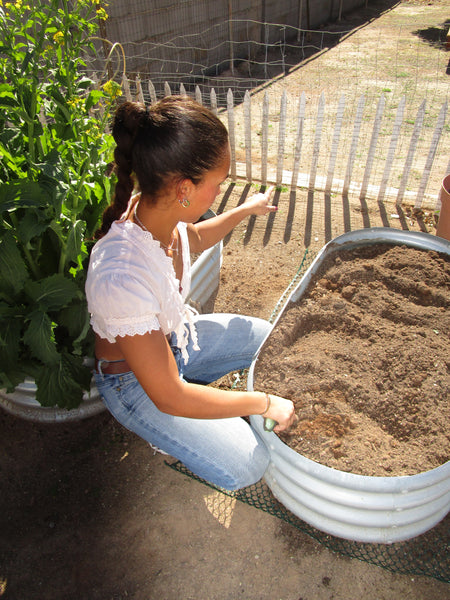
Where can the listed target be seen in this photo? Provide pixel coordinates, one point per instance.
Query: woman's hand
(206, 233)
(282, 411)
(261, 204)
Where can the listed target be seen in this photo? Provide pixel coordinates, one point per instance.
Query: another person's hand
(282, 411)
(261, 204)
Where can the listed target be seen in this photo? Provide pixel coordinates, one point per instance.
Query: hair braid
(129, 118)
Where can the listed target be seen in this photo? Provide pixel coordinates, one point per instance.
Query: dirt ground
(88, 511)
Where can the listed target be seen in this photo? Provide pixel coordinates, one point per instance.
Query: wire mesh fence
(357, 107)
(374, 48)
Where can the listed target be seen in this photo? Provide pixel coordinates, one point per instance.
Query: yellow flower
(101, 14)
(112, 89)
(94, 131)
(58, 38)
(74, 102)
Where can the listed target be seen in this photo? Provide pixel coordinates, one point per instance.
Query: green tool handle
(269, 424)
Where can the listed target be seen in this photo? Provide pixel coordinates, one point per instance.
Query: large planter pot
(205, 273)
(352, 506)
(205, 276)
(443, 227)
(22, 403)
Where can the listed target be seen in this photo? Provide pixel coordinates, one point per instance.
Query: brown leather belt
(113, 367)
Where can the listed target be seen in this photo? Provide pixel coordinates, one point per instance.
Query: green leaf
(21, 194)
(52, 293)
(13, 272)
(26, 62)
(75, 318)
(13, 376)
(94, 97)
(9, 343)
(60, 385)
(78, 370)
(85, 82)
(7, 96)
(40, 339)
(10, 311)
(12, 163)
(33, 224)
(74, 242)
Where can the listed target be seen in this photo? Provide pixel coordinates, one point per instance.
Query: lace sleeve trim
(117, 328)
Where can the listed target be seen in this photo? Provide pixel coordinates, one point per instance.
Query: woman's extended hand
(261, 204)
(282, 411)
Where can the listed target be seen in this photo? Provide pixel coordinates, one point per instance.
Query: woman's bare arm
(153, 363)
(205, 234)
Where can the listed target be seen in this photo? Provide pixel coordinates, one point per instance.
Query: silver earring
(184, 202)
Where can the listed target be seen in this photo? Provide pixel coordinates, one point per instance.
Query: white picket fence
(340, 148)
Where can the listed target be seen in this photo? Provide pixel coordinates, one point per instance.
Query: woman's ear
(184, 188)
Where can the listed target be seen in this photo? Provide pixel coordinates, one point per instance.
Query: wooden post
(411, 151)
(300, 14)
(126, 88)
(392, 146)
(151, 91)
(335, 143)
(354, 144)
(431, 154)
(248, 135)
(281, 138)
(298, 143)
(373, 145)
(139, 92)
(213, 101)
(264, 138)
(318, 135)
(231, 134)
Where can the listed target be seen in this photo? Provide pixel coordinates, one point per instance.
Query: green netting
(306, 261)
(427, 554)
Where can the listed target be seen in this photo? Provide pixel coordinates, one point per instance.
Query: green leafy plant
(54, 156)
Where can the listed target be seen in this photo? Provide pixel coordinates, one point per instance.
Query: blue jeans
(225, 452)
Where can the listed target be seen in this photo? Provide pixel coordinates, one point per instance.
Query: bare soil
(89, 512)
(364, 356)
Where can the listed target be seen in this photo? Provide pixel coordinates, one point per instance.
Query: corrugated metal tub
(356, 507)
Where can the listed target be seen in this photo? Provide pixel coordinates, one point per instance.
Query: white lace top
(132, 289)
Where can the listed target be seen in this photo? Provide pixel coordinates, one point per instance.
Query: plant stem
(31, 142)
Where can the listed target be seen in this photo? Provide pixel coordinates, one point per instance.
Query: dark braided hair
(176, 138)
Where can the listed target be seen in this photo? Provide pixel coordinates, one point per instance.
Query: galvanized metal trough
(347, 505)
